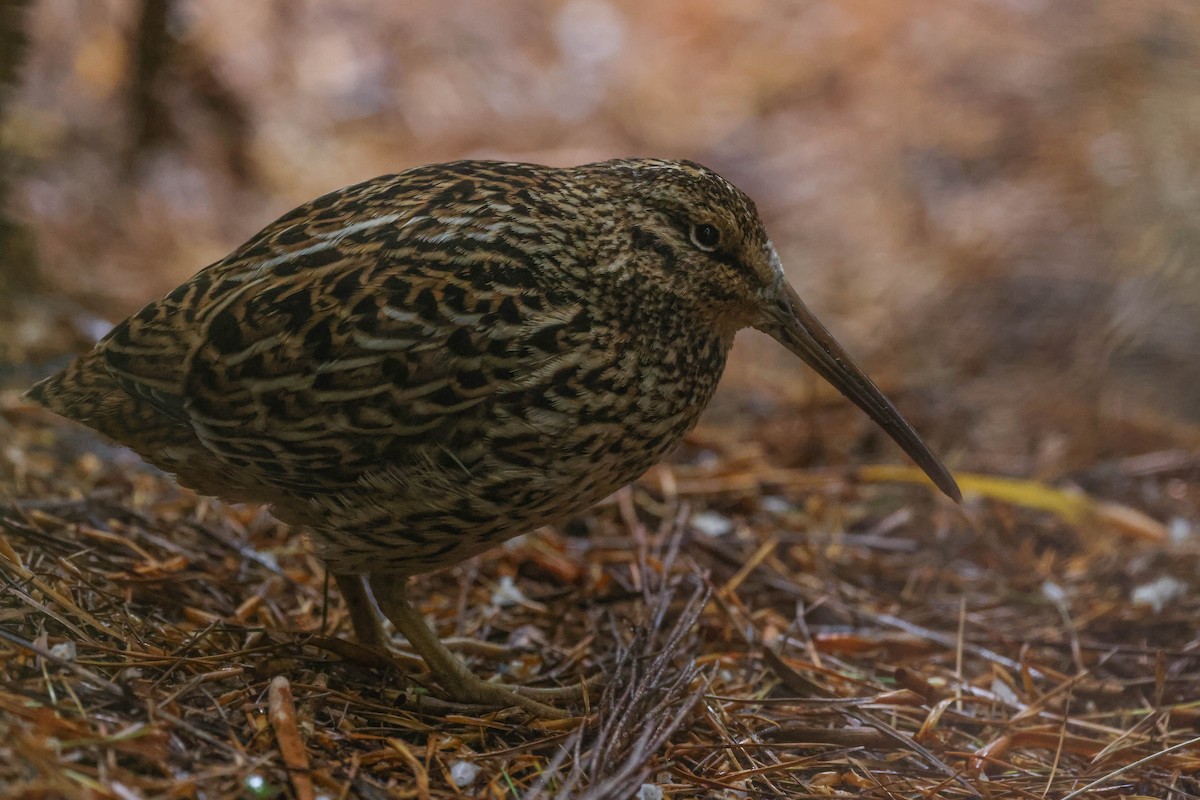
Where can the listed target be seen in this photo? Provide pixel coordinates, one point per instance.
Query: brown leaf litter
(759, 631)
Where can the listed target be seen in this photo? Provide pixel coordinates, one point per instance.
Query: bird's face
(701, 238)
(712, 247)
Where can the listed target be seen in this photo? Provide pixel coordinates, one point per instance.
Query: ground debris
(842, 635)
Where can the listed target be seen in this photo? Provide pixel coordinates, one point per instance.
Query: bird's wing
(325, 347)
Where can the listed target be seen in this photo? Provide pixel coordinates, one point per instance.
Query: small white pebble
(1159, 593)
(777, 505)
(650, 792)
(1054, 593)
(130, 674)
(463, 773)
(711, 524)
(64, 650)
(1005, 692)
(507, 593)
(1179, 531)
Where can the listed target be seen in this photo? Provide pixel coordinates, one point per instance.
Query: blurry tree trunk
(164, 64)
(149, 121)
(16, 249)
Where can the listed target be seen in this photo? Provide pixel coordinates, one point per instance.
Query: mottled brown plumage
(420, 366)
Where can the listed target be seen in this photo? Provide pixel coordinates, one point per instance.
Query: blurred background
(994, 203)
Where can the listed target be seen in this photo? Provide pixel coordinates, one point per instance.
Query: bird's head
(703, 236)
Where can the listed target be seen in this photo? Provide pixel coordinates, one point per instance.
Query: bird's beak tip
(790, 322)
(949, 487)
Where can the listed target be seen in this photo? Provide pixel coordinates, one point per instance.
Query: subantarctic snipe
(420, 366)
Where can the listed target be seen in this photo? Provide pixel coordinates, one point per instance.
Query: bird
(420, 366)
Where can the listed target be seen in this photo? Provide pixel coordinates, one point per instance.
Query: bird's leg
(368, 630)
(451, 673)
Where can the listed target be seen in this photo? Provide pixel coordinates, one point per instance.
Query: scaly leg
(367, 628)
(451, 673)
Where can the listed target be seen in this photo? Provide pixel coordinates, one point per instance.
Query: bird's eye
(706, 236)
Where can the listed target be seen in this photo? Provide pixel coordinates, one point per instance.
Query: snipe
(420, 366)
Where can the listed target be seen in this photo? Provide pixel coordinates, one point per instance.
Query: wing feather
(339, 339)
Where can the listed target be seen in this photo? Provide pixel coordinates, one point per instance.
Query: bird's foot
(580, 693)
(457, 682)
(466, 687)
(469, 689)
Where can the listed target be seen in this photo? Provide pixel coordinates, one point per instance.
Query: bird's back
(418, 366)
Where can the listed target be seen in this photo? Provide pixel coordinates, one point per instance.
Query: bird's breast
(559, 441)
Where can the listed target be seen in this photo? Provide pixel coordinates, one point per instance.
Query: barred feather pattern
(421, 365)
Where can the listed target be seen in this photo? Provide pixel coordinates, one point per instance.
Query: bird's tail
(82, 391)
(85, 391)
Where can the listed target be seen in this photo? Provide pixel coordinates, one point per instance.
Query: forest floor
(991, 203)
(758, 630)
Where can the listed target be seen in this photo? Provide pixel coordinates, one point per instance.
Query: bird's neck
(657, 311)
(680, 335)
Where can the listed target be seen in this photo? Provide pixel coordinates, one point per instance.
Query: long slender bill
(797, 329)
